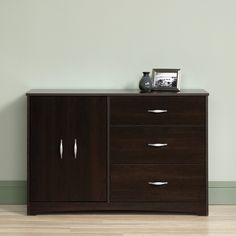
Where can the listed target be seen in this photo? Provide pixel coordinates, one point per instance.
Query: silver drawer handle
(158, 183)
(61, 149)
(157, 111)
(75, 148)
(157, 144)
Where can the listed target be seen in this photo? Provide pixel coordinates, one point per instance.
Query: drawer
(157, 145)
(160, 110)
(164, 183)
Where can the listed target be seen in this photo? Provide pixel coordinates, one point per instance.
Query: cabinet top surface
(110, 92)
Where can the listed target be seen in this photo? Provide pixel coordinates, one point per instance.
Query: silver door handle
(61, 149)
(158, 183)
(157, 144)
(75, 148)
(157, 111)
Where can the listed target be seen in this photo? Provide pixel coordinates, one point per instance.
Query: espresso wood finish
(66, 177)
(48, 172)
(131, 145)
(114, 163)
(178, 111)
(181, 183)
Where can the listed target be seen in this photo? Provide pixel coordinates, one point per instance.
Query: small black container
(145, 84)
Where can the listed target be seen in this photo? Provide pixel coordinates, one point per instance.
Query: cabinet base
(198, 208)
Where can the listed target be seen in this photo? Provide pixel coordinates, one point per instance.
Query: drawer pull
(157, 111)
(61, 149)
(75, 149)
(157, 144)
(158, 183)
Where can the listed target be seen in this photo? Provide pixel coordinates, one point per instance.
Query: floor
(13, 221)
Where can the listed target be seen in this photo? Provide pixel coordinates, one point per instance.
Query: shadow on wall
(13, 139)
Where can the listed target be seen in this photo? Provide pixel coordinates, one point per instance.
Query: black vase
(145, 84)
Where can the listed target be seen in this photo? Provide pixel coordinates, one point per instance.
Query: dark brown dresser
(117, 150)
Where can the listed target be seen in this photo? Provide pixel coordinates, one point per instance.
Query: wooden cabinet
(68, 146)
(117, 150)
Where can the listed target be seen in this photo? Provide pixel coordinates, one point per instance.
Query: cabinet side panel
(206, 156)
(28, 155)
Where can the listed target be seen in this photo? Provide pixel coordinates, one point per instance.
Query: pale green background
(107, 44)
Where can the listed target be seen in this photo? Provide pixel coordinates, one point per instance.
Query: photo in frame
(166, 80)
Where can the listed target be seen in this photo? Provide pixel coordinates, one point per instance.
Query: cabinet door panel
(89, 128)
(53, 119)
(47, 119)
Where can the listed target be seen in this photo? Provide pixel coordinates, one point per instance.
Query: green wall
(13, 192)
(107, 44)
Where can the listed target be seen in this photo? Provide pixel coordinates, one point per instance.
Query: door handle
(75, 149)
(158, 183)
(157, 144)
(61, 149)
(157, 111)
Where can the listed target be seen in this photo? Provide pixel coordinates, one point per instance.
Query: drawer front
(142, 145)
(157, 110)
(164, 183)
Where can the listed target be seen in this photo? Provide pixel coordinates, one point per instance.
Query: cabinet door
(87, 157)
(56, 174)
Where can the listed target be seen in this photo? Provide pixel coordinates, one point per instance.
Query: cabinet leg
(30, 212)
(203, 212)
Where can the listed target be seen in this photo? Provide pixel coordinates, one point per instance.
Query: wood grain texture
(47, 127)
(113, 168)
(185, 183)
(68, 179)
(15, 222)
(184, 145)
(180, 111)
(197, 208)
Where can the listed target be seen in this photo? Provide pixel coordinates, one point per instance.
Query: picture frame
(166, 80)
